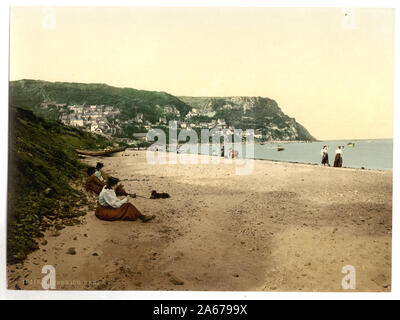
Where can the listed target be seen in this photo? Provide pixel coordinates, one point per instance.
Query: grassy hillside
(42, 164)
(258, 113)
(31, 93)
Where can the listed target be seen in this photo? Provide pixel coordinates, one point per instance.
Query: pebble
(176, 281)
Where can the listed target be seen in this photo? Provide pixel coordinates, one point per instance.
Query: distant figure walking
(325, 158)
(338, 158)
(111, 208)
(234, 154)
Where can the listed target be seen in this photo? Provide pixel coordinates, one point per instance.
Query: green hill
(42, 165)
(31, 93)
(258, 113)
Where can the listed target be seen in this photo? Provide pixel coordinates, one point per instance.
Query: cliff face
(260, 114)
(124, 111)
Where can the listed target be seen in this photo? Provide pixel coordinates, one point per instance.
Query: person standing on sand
(325, 158)
(111, 208)
(338, 158)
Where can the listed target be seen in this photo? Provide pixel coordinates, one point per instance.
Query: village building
(140, 136)
(258, 134)
(139, 118)
(77, 123)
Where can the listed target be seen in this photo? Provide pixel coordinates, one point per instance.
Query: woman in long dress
(111, 208)
(95, 185)
(338, 157)
(100, 174)
(325, 158)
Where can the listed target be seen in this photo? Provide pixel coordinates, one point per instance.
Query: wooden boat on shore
(95, 153)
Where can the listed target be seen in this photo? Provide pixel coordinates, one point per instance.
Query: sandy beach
(284, 227)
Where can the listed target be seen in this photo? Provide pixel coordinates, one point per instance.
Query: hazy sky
(330, 69)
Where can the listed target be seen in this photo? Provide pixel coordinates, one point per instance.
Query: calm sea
(370, 154)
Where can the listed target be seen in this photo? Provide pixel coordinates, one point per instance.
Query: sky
(330, 68)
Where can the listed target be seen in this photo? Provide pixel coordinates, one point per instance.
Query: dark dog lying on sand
(156, 195)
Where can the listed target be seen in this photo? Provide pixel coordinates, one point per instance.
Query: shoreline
(360, 157)
(278, 161)
(319, 164)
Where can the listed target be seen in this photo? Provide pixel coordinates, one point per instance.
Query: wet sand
(284, 227)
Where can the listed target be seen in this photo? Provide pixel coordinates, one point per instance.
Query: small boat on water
(95, 153)
(351, 144)
(281, 148)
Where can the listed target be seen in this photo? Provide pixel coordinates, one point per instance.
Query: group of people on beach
(231, 153)
(108, 189)
(338, 156)
(109, 206)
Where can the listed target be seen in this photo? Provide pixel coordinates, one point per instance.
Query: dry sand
(285, 227)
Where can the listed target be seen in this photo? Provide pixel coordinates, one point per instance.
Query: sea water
(368, 154)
